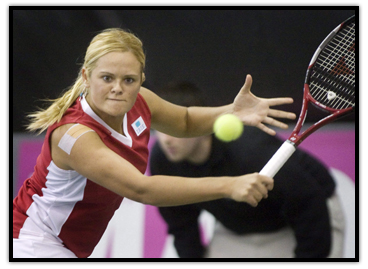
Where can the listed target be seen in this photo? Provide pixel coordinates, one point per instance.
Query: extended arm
(90, 157)
(197, 121)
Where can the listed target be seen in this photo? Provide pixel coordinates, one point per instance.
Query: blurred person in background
(301, 218)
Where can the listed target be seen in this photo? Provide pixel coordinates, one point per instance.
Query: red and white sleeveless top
(65, 206)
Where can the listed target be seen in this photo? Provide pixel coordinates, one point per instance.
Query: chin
(117, 113)
(174, 159)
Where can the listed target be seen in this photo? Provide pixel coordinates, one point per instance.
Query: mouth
(117, 100)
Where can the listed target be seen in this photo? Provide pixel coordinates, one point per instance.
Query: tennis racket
(329, 85)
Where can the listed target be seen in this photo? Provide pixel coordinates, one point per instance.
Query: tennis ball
(228, 127)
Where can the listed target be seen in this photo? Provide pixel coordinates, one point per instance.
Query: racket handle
(278, 159)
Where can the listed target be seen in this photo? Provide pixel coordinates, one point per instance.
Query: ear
(85, 77)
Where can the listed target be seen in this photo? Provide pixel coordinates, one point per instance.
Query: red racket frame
(297, 138)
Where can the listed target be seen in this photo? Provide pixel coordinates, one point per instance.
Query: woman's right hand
(251, 188)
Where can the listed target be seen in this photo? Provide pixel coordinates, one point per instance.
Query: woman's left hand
(255, 111)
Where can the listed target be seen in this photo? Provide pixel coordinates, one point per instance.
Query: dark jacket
(298, 199)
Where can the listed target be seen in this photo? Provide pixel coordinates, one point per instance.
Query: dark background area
(213, 48)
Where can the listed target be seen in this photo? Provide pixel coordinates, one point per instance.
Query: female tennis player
(95, 152)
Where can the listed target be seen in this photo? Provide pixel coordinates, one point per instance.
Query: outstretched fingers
(265, 129)
(272, 122)
(255, 111)
(276, 123)
(247, 85)
(281, 114)
(274, 113)
(280, 101)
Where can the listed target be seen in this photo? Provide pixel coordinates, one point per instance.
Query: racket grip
(278, 159)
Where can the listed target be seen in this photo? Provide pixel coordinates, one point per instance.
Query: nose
(117, 89)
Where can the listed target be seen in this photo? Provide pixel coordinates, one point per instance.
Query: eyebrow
(126, 75)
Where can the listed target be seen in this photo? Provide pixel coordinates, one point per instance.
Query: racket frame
(290, 145)
(295, 136)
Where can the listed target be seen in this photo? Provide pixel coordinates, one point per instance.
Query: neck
(202, 152)
(116, 123)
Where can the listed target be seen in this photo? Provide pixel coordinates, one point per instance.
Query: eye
(107, 78)
(129, 80)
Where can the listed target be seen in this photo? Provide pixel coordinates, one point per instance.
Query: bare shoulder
(166, 117)
(153, 101)
(145, 92)
(72, 129)
(148, 95)
(62, 142)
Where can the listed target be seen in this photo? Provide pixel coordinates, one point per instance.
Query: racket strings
(332, 81)
(337, 94)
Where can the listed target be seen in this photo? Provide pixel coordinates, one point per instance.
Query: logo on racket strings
(342, 68)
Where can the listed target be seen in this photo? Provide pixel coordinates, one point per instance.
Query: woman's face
(113, 86)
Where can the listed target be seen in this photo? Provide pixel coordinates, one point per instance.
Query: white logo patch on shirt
(139, 126)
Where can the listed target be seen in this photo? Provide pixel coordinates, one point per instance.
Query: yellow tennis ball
(228, 127)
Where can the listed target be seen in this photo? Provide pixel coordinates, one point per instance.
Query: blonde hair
(109, 40)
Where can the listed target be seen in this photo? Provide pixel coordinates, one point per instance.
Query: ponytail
(42, 119)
